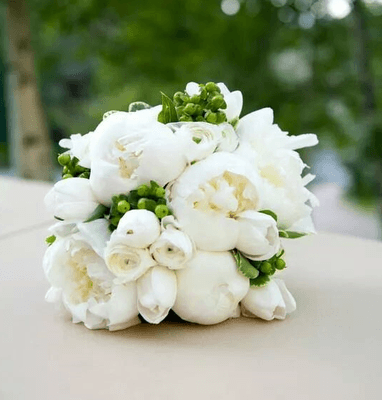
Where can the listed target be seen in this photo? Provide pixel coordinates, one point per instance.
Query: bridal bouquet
(177, 207)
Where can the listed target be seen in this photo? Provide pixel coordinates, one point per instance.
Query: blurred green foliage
(94, 56)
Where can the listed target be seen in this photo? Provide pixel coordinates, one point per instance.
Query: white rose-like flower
(130, 149)
(229, 139)
(125, 262)
(71, 199)
(78, 146)
(137, 228)
(156, 293)
(272, 301)
(271, 152)
(258, 235)
(173, 248)
(200, 138)
(79, 277)
(210, 288)
(209, 195)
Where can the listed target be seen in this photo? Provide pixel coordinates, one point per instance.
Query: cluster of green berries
(145, 197)
(267, 268)
(71, 169)
(204, 107)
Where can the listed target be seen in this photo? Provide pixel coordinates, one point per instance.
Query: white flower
(200, 138)
(130, 149)
(156, 294)
(125, 262)
(78, 146)
(210, 288)
(209, 195)
(234, 102)
(268, 302)
(229, 139)
(258, 235)
(79, 276)
(71, 199)
(173, 248)
(137, 228)
(271, 152)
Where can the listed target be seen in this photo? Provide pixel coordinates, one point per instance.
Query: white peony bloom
(234, 102)
(210, 288)
(71, 199)
(173, 248)
(209, 195)
(271, 152)
(78, 146)
(80, 277)
(272, 301)
(125, 262)
(130, 149)
(137, 228)
(156, 294)
(200, 139)
(258, 235)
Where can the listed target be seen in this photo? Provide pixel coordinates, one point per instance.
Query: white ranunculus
(156, 293)
(209, 195)
(137, 228)
(173, 248)
(272, 152)
(229, 139)
(130, 149)
(258, 235)
(234, 102)
(272, 301)
(80, 278)
(210, 288)
(200, 139)
(71, 199)
(125, 262)
(78, 146)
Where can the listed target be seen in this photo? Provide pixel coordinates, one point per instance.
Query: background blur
(317, 63)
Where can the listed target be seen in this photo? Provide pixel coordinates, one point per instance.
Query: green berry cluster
(206, 106)
(146, 197)
(267, 268)
(71, 168)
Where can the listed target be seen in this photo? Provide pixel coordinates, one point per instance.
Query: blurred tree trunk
(28, 132)
(368, 91)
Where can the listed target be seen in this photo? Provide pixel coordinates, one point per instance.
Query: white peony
(79, 146)
(137, 228)
(156, 294)
(208, 197)
(173, 248)
(80, 277)
(272, 152)
(258, 235)
(272, 301)
(130, 149)
(125, 262)
(71, 199)
(210, 288)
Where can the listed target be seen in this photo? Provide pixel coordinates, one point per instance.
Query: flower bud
(63, 159)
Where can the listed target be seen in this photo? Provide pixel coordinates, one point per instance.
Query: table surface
(330, 348)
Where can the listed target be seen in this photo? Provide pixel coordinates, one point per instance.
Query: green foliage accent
(244, 265)
(291, 234)
(50, 240)
(270, 213)
(99, 212)
(58, 218)
(168, 113)
(138, 105)
(71, 168)
(260, 281)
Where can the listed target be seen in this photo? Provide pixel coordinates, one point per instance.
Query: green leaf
(245, 267)
(261, 280)
(168, 113)
(291, 234)
(50, 240)
(270, 213)
(98, 213)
